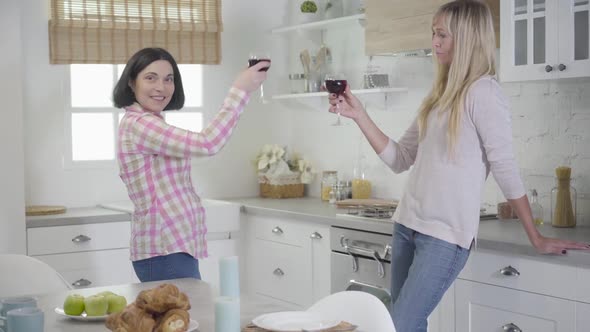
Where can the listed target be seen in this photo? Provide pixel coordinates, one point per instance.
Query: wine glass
(336, 83)
(256, 57)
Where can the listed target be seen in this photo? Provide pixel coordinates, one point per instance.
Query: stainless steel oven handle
(386, 249)
(351, 250)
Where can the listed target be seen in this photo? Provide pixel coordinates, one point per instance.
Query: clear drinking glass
(256, 57)
(336, 83)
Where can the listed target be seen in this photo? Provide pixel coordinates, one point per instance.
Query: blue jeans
(422, 269)
(173, 266)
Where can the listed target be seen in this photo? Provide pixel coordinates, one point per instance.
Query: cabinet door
(442, 319)
(282, 271)
(529, 32)
(582, 317)
(485, 308)
(320, 256)
(395, 26)
(399, 25)
(574, 38)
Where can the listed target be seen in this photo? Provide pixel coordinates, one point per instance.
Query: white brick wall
(551, 125)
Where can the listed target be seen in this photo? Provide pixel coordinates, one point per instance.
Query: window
(93, 121)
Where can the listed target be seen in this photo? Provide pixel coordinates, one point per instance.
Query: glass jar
(563, 200)
(361, 186)
(329, 178)
(341, 191)
(536, 208)
(297, 83)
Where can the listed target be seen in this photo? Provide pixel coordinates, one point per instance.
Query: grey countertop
(507, 237)
(78, 216)
(503, 236)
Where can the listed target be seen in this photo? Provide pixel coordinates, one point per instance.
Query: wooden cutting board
(371, 202)
(44, 210)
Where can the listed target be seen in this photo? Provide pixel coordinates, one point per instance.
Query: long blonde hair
(470, 24)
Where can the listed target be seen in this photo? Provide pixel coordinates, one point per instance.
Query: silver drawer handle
(81, 238)
(510, 271)
(316, 235)
(82, 283)
(278, 272)
(511, 327)
(277, 230)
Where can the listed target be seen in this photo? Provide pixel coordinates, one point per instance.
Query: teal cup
(11, 303)
(25, 320)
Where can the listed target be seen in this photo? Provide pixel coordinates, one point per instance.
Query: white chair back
(24, 275)
(359, 308)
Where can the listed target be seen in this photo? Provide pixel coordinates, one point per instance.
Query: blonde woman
(461, 133)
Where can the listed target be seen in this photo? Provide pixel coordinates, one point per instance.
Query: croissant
(175, 320)
(162, 298)
(131, 319)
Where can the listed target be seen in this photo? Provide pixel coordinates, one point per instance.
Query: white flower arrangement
(273, 162)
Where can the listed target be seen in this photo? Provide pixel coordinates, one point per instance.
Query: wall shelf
(318, 25)
(325, 94)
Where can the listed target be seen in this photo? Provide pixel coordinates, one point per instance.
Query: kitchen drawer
(100, 268)
(486, 308)
(535, 276)
(284, 275)
(277, 230)
(75, 238)
(583, 294)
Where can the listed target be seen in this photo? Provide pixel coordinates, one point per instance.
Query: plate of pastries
(160, 309)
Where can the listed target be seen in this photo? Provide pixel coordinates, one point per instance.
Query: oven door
(366, 277)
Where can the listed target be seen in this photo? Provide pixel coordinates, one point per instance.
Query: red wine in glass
(252, 62)
(336, 86)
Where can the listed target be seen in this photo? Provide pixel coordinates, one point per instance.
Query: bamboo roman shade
(111, 31)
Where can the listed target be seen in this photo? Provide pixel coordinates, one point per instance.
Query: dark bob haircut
(123, 95)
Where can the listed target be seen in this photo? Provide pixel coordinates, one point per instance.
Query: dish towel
(342, 327)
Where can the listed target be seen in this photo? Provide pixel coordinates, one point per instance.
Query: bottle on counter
(536, 208)
(329, 178)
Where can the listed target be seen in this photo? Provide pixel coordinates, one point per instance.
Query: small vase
(307, 17)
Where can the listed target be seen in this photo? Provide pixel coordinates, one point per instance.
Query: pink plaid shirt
(155, 165)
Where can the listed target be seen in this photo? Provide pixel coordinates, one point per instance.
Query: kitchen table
(199, 293)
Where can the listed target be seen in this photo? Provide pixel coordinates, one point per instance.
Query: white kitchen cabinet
(442, 319)
(543, 39)
(288, 259)
(582, 317)
(486, 308)
(502, 292)
(87, 255)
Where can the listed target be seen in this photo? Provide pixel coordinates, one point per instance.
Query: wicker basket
(284, 186)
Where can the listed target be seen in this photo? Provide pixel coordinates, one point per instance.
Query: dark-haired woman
(168, 224)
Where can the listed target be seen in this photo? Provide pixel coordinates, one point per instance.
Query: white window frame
(68, 162)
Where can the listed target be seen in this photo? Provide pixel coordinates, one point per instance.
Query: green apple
(116, 303)
(74, 305)
(96, 305)
(106, 293)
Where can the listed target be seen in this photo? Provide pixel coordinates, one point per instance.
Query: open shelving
(325, 94)
(318, 25)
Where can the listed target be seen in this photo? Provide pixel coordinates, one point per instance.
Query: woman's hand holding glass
(347, 104)
(251, 78)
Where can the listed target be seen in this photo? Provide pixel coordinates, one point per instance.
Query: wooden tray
(371, 202)
(44, 210)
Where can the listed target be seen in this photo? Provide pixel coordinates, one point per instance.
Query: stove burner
(377, 212)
